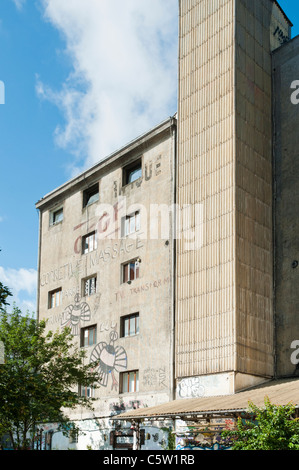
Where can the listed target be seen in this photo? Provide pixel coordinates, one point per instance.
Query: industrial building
(175, 259)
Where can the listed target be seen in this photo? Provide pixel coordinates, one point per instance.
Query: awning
(279, 392)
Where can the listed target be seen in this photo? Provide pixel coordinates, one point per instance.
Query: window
(129, 325)
(91, 195)
(55, 297)
(87, 392)
(131, 223)
(56, 216)
(89, 286)
(73, 436)
(88, 336)
(132, 172)
(89, 243)
(129, 381)
(130, 271)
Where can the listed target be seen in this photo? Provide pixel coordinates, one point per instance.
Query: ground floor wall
(104, 434)
(202, 436)
(108, 435)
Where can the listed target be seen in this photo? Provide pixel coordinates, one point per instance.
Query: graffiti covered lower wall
(202, 436)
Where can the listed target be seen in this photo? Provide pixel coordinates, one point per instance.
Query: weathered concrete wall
(286, 173)
(62, 264)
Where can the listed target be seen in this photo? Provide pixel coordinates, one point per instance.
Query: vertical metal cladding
(255, 30)
(206, 177)
(225, 288)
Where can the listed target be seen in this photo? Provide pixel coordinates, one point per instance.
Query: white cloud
(124, 77)
(19, 3)
(22, 283)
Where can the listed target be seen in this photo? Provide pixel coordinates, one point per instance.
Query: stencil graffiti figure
(74, 314)
(110, 359)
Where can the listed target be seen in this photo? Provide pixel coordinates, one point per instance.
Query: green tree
(40, 377)
(4, 294)
(272, 427)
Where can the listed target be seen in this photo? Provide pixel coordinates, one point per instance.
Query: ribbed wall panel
(224, 289)
(206, 176)
(254, 268)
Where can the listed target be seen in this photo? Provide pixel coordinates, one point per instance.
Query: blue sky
(78, 85)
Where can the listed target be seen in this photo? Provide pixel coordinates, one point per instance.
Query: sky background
(82, 78)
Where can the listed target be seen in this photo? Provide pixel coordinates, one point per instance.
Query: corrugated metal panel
(281, 392)
(205, 277)
(225, 164)
(254, 191)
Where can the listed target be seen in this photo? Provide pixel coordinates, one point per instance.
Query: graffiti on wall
(191, 388)
(107, 325)
(155, 377)
(75, 267)
(74, 314)
(154, 285)
(110, 359)
(66, 271)
(123, 406)
(200, 436)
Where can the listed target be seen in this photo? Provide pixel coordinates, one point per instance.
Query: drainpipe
(38, 265)
(174, 175)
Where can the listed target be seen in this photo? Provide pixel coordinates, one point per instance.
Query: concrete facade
(286, 202)
(64, 268)
(215, 293)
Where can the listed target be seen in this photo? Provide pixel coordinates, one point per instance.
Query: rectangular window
(89, 286)
(129, 325)
(129, 381)
(89, 243)
(130, 271)
(131, 223)
(88, 336)
(73, 436)
(55, 298)
(56, 216)
(91, 195)
(132, 172)
(87, 392)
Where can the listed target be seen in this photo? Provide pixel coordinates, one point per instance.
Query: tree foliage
(40, 377)
(272, 427)
(4, 294)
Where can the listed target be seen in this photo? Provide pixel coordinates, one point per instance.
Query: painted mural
(111, 359)
(74, 314)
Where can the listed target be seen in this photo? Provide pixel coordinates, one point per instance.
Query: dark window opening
(91, 195)
(132, 172)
